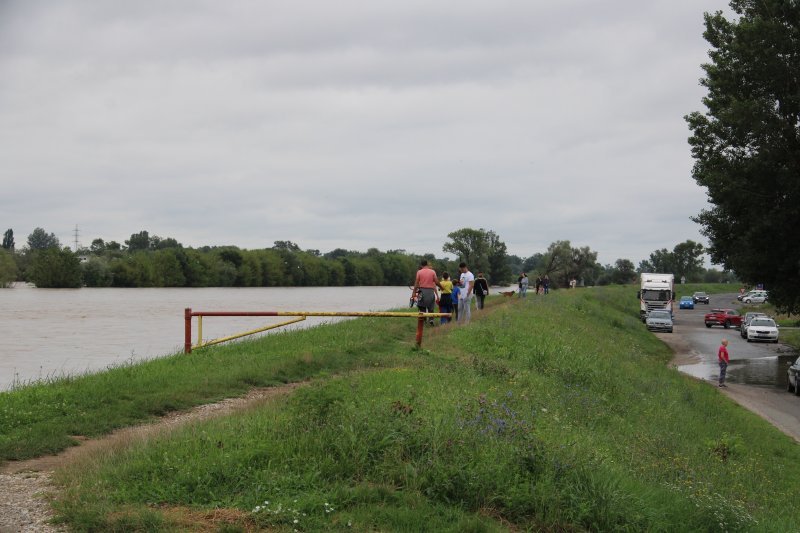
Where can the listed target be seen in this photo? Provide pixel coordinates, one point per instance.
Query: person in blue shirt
(454, 297)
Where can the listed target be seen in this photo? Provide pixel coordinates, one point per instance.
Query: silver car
(755, 297)
(659, 320)
(746, 321)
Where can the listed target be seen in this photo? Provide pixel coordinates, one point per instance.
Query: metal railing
(299, 316)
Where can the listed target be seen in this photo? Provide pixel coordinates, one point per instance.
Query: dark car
(794, 376)
(700, 298)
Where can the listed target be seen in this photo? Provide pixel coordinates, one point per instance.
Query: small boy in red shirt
(724, 359)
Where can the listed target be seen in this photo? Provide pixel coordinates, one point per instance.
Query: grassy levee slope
(554, 413)
(44, 418)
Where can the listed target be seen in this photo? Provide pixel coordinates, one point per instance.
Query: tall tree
(497, 257)
(688, 259)
(562, 262)
(8, 239)
(746, 145)
(471, 246)
(623, 272)
(39, 239)
(8, 268)
(138, 241)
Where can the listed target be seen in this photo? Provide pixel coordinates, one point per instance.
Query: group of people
(452, 296)
(542, 284)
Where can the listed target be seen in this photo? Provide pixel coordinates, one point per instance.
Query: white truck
(657, 291)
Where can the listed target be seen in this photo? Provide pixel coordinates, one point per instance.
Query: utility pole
(75, 234)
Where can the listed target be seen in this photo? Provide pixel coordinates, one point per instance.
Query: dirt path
(26, 486)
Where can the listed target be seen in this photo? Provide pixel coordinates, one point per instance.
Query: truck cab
(657, 291)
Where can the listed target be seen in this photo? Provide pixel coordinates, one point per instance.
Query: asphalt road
(757, 371)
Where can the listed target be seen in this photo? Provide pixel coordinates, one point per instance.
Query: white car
(762, 329)
(755, 297)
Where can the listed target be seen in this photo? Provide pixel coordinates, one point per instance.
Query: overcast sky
(353, 124)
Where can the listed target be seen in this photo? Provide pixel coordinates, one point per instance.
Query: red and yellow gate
(298, 316)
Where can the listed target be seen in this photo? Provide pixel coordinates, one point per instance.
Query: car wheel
(747, 301)
(727, 324)
(708, 325)
(789, 387)
(749, 340)
(775, 341)
(796, 388)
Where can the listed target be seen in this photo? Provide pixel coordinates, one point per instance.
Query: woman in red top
(724, 359)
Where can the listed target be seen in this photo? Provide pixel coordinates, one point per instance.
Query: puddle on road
(766, 371)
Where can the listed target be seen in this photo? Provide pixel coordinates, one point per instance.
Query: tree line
(146, 260)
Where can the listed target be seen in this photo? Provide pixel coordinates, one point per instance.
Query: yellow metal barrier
(300, 316)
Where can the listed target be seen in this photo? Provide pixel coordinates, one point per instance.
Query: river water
(46, 333)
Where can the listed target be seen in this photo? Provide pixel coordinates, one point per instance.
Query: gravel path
(25, 486)
(23, 503)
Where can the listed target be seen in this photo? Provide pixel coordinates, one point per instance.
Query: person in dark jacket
(481, 289)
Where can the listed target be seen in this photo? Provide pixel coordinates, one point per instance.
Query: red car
(723, 317)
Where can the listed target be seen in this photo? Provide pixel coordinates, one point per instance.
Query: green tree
(138, 241)
(167, 270)
(8, 239)
(96, 272)
(8, 268)
(471, 246)
(562, 262)
(39, 239)
(55, 268)
(688, 260)
(482, 250)
(685, 259)
(623, 272)
(746, 145)
(98, 246)
(497, 257)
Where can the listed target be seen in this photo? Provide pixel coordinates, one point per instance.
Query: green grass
(554, 413)
(43, 418)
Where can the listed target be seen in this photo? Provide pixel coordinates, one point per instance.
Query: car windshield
(699, 294)
(762, 322)
(685, 298)
(655, 295)
(660, 314)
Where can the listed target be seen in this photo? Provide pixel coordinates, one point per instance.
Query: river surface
(48, 333)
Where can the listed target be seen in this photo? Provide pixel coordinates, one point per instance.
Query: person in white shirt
(467, 284)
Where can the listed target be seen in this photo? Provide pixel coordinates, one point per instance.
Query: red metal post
(420, 329)
(187, 330)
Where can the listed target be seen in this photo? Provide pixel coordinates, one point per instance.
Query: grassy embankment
(554, 413)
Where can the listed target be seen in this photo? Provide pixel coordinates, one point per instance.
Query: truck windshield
(655, 295)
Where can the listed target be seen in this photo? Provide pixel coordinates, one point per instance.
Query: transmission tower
(75, 234)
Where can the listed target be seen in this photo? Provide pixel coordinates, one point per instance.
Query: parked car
(762, 329)
(659, 320)
(755, 297)
(700, 298)
(687, 302)
(723, 317)
(746, 321)
(794, 376)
